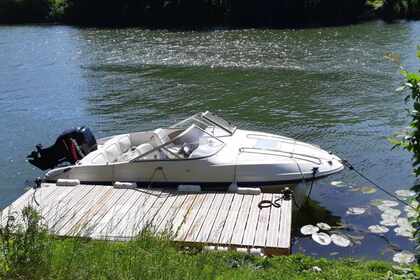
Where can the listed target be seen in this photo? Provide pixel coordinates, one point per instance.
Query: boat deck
(220, 219)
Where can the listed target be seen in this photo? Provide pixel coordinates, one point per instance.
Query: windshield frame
(207, 119)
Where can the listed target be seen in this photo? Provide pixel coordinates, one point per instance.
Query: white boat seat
(110, 152)
(160, 136)
(94, 158)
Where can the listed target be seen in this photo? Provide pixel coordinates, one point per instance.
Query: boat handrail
(276, 153)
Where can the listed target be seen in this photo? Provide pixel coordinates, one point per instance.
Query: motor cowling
(72, 145)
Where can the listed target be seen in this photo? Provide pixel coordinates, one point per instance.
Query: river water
(328, 86)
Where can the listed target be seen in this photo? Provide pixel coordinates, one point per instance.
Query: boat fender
(241, 190)
(242, 250)
(256, 252)
(124, 185)
(209, 248)
(68, 182)
(222, 248)
(189, 188)
(251, 191)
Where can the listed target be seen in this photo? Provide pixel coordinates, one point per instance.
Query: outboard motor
(72, 145)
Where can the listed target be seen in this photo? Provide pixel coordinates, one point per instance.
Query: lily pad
(412, 213)
(378, 229)
(368, 190)
(321, 238)
(403, 222)
(392, 212)
(383, 208)
(309, 229)
(389, 203)
(404, 257)
(390, 221)
(340, 240)
(355, 211)
(405, 231)
(405, 193)
(376, 202)
(323, 226)
(338, 184)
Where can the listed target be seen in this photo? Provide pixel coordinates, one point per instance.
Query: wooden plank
(263, 219)
(78, 224)
(91, 221)
(167, 222)
(200, 218)
(242, 220)
(211, 217)
(227, 231)
(55, 200)
(251, 225)
(217, 218)
(189, 217)
(163, 211)
(55, 209)
(39, 196)
(61, 213)
(129, 225)
(285, 225)
(274, 223)
(147, 220)
(181, 214)
(72, 217)
(221, 218)
(114, 215)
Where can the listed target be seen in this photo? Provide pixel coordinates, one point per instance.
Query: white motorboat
(202, 150)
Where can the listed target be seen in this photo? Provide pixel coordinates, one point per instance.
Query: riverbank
(34, 254)
(205, 14)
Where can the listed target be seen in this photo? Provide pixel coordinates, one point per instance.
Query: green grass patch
(29, 252)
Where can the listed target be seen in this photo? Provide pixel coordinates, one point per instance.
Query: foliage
(25, 248)
(411, 141)
(394, 9)
(182, 13)
(21, 11)
(30, 253)
(57, 9)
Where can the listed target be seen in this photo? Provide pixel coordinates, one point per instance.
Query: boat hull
(248, 158)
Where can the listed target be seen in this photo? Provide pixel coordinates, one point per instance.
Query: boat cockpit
(194, 138)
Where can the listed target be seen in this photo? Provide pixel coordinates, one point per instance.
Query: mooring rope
(36, 186)
(351, 167)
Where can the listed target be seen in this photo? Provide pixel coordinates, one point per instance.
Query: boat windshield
(192, 143)
(210, 123)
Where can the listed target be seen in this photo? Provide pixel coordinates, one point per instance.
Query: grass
(29, 252)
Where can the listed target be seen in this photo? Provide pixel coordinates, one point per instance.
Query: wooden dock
(212, 218)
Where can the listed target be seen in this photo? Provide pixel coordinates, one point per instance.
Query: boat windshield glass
(192, 143)
(210, 123)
